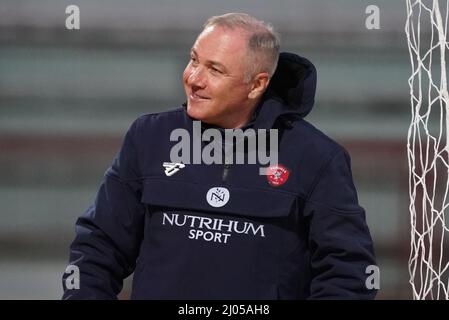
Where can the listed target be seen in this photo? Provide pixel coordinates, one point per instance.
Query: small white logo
(217, 196)
(172, 167)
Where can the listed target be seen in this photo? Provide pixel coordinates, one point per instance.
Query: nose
(196, 77)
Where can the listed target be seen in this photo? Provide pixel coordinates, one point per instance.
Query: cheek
(186, 74)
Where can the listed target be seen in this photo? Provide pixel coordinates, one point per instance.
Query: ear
(258, 85)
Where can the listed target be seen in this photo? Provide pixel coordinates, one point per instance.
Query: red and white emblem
(277, 175)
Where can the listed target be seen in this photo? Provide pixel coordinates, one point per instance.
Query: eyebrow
(211, 62)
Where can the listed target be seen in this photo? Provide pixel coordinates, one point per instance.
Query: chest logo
(217, 196)
(277, 175)
(172, 167)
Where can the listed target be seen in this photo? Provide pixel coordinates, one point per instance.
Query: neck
(235, 122)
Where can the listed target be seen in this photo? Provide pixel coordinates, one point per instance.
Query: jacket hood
(291, 90)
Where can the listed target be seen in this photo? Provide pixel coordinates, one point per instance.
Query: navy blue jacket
(304, 238)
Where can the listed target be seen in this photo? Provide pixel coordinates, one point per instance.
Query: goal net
(428, 148)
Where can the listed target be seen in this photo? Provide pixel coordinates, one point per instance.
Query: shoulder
(152, 128)
(159, 117)
(159, 122)
(313, 141)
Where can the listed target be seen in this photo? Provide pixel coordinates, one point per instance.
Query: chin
(202, 111)
(195, 112)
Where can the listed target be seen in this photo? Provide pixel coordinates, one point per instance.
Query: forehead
(226, 46)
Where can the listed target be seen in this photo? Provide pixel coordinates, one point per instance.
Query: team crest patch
(277, 175)
(217, 196)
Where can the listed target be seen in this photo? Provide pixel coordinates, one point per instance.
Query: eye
(193, 60)
(215, 70)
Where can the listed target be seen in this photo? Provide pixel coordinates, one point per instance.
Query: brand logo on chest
(217, 196)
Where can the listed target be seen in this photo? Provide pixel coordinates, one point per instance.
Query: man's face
(214, 79)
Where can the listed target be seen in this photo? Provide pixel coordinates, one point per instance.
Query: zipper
(225, 174)
(226, 166)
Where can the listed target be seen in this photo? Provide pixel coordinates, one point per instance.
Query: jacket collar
(291, 91)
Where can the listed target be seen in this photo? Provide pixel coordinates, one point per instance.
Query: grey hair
(263, 41)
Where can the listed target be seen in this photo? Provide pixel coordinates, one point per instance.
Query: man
(220, 231)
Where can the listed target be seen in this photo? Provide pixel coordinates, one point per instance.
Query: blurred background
(68, 96)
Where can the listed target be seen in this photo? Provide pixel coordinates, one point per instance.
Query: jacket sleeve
(108, 234)
(339, 239)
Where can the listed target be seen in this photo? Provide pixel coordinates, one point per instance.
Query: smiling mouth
(196, 97)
